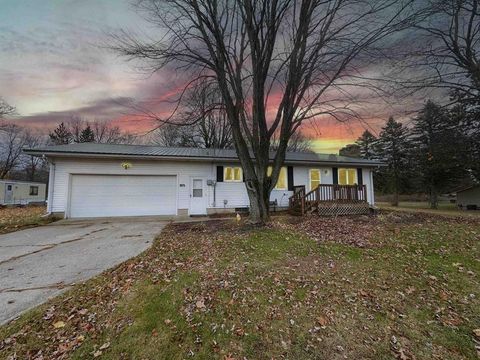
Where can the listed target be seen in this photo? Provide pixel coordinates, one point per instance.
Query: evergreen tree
(351, 150)
(367, 143)
(438, 150)
(87, 135)
(393, 145)
(61, 135)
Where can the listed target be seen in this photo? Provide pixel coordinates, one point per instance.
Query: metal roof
(161, 152)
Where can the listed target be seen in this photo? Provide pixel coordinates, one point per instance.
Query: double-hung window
(232, 174)
(347, 176)
(282, 182)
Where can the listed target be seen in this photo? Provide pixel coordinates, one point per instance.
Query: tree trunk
(395, 198)
(395, 192)
(259, 205)
(433, 198)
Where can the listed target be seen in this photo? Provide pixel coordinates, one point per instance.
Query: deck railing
(306, 201)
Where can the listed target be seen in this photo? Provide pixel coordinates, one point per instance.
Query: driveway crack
(51, 246)
(59, 285)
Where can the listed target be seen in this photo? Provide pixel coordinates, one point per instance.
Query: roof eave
(87, 155)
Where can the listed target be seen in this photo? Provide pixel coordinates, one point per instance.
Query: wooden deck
(330, 199)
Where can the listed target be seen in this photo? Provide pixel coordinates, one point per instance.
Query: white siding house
(96, 180)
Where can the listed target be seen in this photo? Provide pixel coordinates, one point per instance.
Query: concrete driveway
(39, 263)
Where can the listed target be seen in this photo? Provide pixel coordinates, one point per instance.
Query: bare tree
(445, 53)
(211, 128)
(299, 56)
(12, 139)
(6, 109)
(202, 122)
(32, 164)
(298, 142)
(106, 133)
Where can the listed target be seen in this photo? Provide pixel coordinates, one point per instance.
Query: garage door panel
(122, 195)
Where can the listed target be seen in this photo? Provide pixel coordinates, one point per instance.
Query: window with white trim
(347, 176)
(232, 174)
(282, 182)
(314, 178)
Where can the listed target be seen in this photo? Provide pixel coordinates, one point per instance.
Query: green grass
(444, 208)
(213, 291)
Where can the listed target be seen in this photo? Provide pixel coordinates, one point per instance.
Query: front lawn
(444, 208)
(21, 217)
(395, 286)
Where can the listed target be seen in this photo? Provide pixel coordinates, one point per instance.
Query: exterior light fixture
(126, 165)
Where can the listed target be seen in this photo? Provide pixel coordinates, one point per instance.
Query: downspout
(51, 185)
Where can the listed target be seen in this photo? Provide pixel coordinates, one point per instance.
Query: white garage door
(122, 195)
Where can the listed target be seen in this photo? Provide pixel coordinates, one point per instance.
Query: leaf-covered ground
(21, 217)
(393, 286)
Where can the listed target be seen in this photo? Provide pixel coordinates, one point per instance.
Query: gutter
(70, 154)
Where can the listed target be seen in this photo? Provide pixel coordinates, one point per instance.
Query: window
(314, 178)
(282, 182)
(347, 176)
(34, 190)
(232, 173)
(197, 191)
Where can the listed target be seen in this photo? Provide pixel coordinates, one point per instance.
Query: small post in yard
(303, 205)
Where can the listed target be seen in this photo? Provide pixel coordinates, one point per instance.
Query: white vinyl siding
(64, 168)
(234, 193)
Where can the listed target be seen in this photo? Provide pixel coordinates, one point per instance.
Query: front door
(8, 193)
(198, 197)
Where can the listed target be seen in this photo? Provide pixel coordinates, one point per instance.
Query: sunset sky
(54, 64)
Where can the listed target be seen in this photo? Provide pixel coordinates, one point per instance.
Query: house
(104, 180)
(469, 198)
(21, 192)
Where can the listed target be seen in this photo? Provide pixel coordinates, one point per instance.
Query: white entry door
(8, 193)
(198, 196)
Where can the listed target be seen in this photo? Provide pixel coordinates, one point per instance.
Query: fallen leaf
(97, 353)
(105, 346)
(476, 332)
(59, 324)
(322, 320)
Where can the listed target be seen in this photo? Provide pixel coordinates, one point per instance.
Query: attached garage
(122, 195)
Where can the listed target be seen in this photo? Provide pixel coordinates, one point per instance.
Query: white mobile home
(102, 180)
(21, 192)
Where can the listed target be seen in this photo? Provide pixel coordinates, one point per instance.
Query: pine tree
(61, 135)
(87, 135)
(393, 145)
(367, 143)
(438, 150)
(350, 150)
